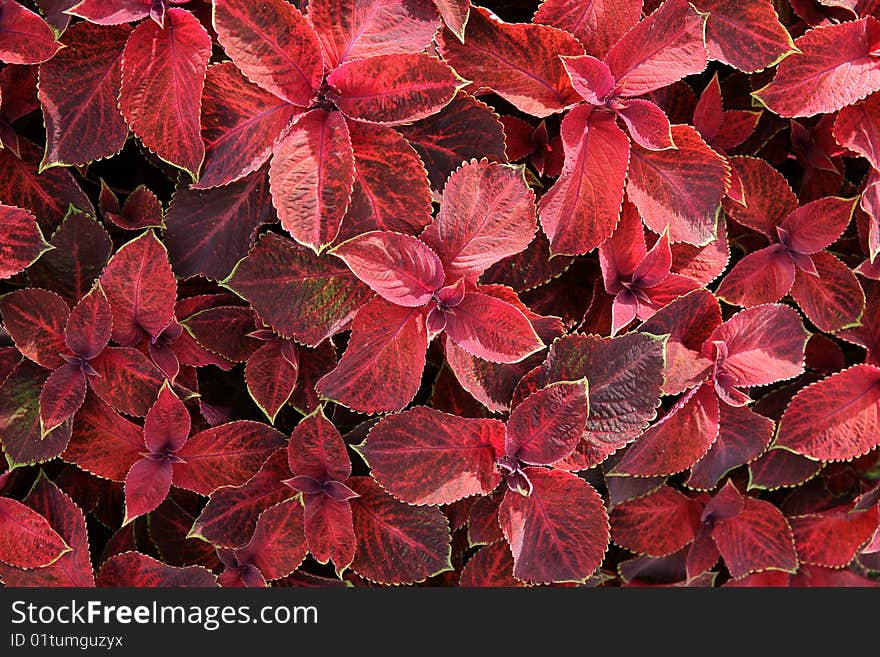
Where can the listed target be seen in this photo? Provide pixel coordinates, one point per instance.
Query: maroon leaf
(399, 268)
(167, 424)
(240, 124)
(26, 38)
(558, 533)
(445, 458)
(582, 208)
(768, 197)
(146, 487)
(846, 424)
(271, 377)
(126, 380)
(396, 543)
(89, 325)
(133, 569)
(488, 213)
(226, 455)
(385, 338)
(598, 24)
(316, 450)
(23, 240)
(141, 210)
(519, 62)
(62, 395)
(35, 319)
(548, 424)
(490, 566)
(278, 545)
(311, 177)
(657, 524)
(163, 74)
(274, 46)
(224, 331)
(321, 294)
(680, 188)
(85, 125)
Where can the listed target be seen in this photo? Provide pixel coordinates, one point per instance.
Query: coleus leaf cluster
(381, 292)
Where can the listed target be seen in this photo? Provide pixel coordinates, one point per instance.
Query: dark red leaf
(133, 569)
(833, 538)
(278, 545)
(27, 540)
(548, 424)
(271, 378)
(490, 566)
(763, 276)
(856, 128)
(167, 424)
(598, 24)
(658, 524)
(141, 210)
(23, 240)
(224, 331)
(35, 319)
(62, 395)
(26, 38)
(89, 325)
(833, 298)
(146, 487)
(126, 380)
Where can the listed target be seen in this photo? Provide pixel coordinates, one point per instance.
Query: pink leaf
(520, 62)
(23, 240)
(455, 15)
(387, 339)
(548, 424)
(397, 544)
(163, 74)
(648, 125)
(582, 208)
(833, 298)
(559, 533)
(834, 68)
(680, 188)
(273, 45)
(399, 268)
(110, 12)
(27, 540)
(423, 456)
(763, 276)
(675, 30)
(393, 88)
(311, 177)
(26, 38)
(836, 419)
(487, 214)
(141, 289)
(598, 24)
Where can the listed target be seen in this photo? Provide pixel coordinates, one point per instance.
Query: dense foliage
(358, 292)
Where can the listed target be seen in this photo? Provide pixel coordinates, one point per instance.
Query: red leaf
(679, 188)
(393, 88)
(146, 487)
(833, 299)
(765, 344)
(316, 450)
(463, 130)
(582, 208)
(857, 128)
(126, 380)
(397, 543)
(746, 35)
(761, 277)
(278, 545)
(357, 30)
(768, 197)
(27, 540)
(836, 419)
(520, 62)
(89, 325)
(274, 46)
(833, 538)
(676, 30)
(163, 74)
(492, 329)
(82, 249)
(742, 437)
(133, 569)
(167, 424)
(483, 527)
(423, 456)
(758, 538)
(391, 189)
(271, 378)
(35, 320)
(329, 528)
(231, 514)
(834, 68)
(658, 524)
(225, 455)
(815, 226)
(311, 177)
(490, 566)
(23, 240)
(548, 424)
(20, 419)
(648, 125)
(598, 24)
(678, 440)
(559, 533)
(240, 124)
(48, 195)
(321, 294)
(62, 395)
(73, 568)
(624, 374)
(387, 339)
(224, 331)
(82, 121)
(399, 268)
(209, 231)
(487, 214)
(26, 38)
(104, 443)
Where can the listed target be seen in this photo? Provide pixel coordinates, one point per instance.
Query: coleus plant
(205, 321)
